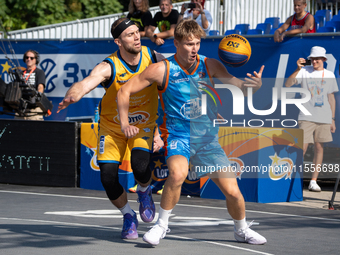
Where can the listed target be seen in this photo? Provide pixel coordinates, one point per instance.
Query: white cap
(317, 51)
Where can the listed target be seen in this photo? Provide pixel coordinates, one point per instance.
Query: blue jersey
(181, 99)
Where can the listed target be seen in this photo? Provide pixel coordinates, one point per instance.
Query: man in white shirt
(320, 124)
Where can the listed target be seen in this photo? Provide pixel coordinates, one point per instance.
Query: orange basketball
(234, 50)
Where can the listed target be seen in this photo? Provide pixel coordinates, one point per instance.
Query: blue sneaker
(130, 225)
(146, 205)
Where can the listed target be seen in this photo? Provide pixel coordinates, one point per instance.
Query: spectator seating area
(268, 27)
(324, 22)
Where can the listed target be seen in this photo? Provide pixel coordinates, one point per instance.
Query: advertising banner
(43, 153)
(89, 168)
(69, 61)
(267, 163)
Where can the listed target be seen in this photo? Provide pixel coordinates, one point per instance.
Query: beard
(131, 49)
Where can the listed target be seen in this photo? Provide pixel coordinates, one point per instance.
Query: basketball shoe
(146, 205)
(156, 233)
(249, 236)
(129, 230)
(133, 189)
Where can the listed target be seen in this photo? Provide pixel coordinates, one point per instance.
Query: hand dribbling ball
(234, 50)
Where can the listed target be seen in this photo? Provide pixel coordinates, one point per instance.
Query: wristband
(155, 36)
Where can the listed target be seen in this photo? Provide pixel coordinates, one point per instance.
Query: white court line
(196, 206)
(51, 195)
(103, 227)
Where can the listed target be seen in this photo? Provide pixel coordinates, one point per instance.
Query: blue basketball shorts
(205, 157)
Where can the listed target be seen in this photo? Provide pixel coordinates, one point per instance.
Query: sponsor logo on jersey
(191, 109)
(124, 81)
(180, 80)
(173, 144)
(176, 74)
(201, 75)
(135, 118)
(102, 144)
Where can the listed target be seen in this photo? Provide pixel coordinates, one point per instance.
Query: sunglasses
(30, 58)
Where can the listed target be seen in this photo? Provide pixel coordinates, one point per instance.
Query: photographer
(319, 126)
(195, 10)
(35, 78)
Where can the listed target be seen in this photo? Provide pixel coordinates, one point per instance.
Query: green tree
(31, 13)
(152, 3)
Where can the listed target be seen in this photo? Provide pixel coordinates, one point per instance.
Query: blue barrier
(65, 62)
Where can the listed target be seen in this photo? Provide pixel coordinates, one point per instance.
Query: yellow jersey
(143, 105)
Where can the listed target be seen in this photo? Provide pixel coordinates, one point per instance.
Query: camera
(190, 5)
(307, 63)
(19, 97)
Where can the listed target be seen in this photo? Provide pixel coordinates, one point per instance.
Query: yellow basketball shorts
(112, 144)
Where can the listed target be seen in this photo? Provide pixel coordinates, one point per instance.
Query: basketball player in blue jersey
(189, 135)
(112, 73)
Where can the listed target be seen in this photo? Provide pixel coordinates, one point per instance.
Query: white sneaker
(314, 187)
(249, 236)
(156, 233)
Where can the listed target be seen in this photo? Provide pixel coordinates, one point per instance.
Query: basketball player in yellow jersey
(112, 73)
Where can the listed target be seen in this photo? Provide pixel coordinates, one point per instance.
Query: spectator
(301, 22)
(140, 14)
(165, 21)
(199, 14)
(318, 126)
(35, 78)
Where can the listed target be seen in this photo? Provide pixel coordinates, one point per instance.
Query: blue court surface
(46, 220)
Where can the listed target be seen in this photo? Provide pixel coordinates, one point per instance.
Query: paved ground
(45, 220)
(318, 200)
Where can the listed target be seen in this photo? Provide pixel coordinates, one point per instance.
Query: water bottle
(96, 114)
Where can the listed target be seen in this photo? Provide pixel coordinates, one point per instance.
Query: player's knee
(233, 194)
(177, 177)
(110, 181)
(140, 164)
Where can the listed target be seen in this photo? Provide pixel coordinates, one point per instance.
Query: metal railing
(225, 17)
(332, 5)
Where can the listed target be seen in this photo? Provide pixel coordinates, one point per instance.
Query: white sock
(126, 209)
(163, 218)
(312, 182)
(240, 224)
(142, 189)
